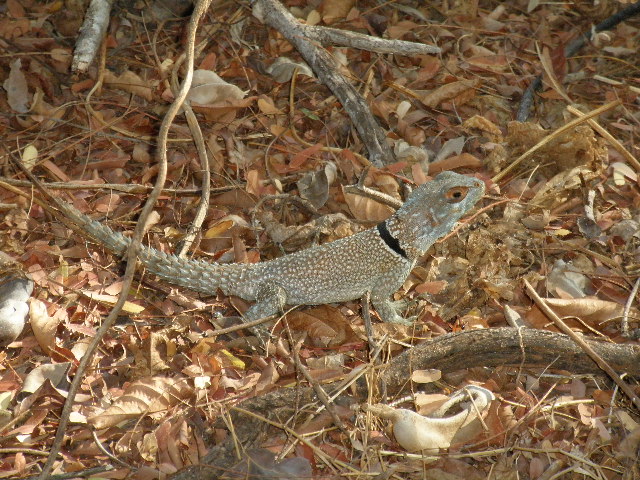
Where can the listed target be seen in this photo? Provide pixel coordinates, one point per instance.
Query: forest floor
(561, 214)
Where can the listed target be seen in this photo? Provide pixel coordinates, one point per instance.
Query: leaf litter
(162, 380)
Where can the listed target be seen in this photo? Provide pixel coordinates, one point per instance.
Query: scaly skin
(338, 271)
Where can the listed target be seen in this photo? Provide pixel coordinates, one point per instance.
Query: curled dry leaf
(367, 209)
(17, 89)
(465, 160)
(426, 376)
(314, 186)
(408, 153)
(559, 189)
(325, 326)
(485, 126)
(129, 82)
(208, 88)
(451, 147)
(283, 67)
(44, 326)
(590, 310)
(55, 373)
(622, 171)
(563, 277)
(334, 10)
(29, 156)
(449, 92)
(143, 397)
(266, 106)
(415, 432)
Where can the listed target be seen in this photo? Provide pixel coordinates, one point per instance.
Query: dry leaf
(448, 92)
(314, 186)
(55, 373)
(129, 82)
(44, 327)
(17, 89)
(590, 310)
(143, 397)
(267, 107)
(283, 67)
(110, 300)
(208, 88)
(325, 326)
(426, 376)
(333, 10)
(367, 209)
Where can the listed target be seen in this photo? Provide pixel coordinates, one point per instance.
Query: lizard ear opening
(456, 194)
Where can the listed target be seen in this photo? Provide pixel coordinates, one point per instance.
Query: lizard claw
(398, 320)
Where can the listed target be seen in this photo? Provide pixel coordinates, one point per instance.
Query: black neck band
(390, 240)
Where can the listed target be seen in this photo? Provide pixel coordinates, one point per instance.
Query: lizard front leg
(387, 310)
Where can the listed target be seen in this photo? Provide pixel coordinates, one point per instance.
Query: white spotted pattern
(342, 270)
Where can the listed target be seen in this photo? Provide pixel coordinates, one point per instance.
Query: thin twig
(294, 132)
(553, 135)
(582, 344)
(320, 393)
(89, 472)
(118, 187)
(627, 308)
(610, 138)
(274, 14)
(203, 205)
(132, 253)
(104, 450)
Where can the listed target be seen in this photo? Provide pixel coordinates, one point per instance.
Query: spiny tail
(193, 274)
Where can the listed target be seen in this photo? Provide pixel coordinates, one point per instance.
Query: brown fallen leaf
(143, 397)
(448, 92)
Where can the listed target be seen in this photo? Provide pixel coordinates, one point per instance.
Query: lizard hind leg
(270, 300)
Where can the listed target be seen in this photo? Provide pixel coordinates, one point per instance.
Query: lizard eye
(456, 194)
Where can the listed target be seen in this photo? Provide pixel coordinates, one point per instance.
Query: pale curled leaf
(17, 89)
(29, 156)
(143, 397)
(415, 432)
(208, 88)
(55, 373)
(282, 69)
(44, 327)
(589, 310)
(14, 293)
(621, 171)
(426, 376)
(129, 82)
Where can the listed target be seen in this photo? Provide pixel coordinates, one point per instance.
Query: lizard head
(432, 210)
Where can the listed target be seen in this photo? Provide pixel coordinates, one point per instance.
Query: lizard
(376, 261)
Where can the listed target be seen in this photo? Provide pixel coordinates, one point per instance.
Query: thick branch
(335, 36)
(272, 13)
(521, 348)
